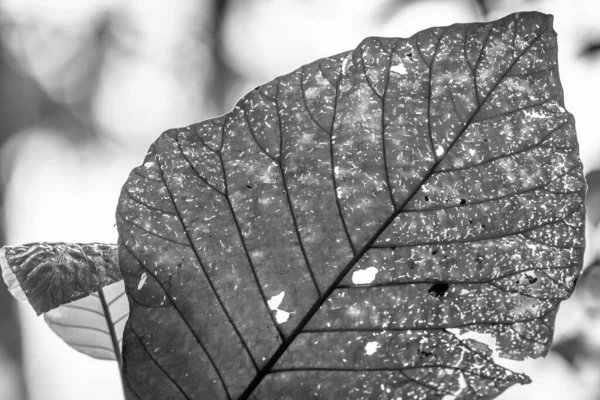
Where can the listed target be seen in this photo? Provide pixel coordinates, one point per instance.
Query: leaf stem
(113, 337)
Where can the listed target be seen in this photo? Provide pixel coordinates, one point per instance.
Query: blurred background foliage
(85, 87)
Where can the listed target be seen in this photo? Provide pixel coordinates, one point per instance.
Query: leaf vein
(289, 199)
(183, 319)
(312, 117)
(383, 128)
(516, 152)
(83, 309)
(111, 327)
(429, 84)
(245, 247)
(253, 134)
(138, 201)
(173, 381)
(313, 310)
(333, 177)
(201, 263)
(187, 160)
(140, 227)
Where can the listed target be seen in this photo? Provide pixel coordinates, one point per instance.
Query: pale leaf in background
(94, 324)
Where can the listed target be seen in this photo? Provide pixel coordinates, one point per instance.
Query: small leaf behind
(94, 324)
(51, 274)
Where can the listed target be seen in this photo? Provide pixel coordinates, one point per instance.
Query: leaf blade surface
(322, 237)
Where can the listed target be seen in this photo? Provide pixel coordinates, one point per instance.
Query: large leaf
(322, 239)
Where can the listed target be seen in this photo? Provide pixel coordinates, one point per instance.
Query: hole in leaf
(256, 88)
(483, 226)
(424, 353)
(434, 252)
(532, 279)
(409, 55)
(249, 186)
(438, 289)
(426, 198)
(463, 201)
(470, 221)
(479, 260)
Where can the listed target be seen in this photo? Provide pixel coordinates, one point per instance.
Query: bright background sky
(86, 86)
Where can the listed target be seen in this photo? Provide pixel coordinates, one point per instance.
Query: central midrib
(313, 310)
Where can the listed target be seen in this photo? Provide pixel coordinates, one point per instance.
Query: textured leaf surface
(51, 274)
(94, 324)
(321, 239)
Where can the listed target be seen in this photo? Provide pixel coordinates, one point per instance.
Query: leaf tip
(10, 278)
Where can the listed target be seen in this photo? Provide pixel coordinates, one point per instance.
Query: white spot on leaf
(488, 339)
(535, 114)
(142, 281)
(345, 65)
(281, 316)
(439, 151)
(364, 276)
(371, 348)
(275, 301)
(399, 69)
(312, 93)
